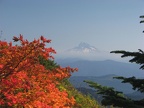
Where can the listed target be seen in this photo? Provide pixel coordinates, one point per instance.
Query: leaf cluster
(48, 63)
(28, 77)
(82, 100)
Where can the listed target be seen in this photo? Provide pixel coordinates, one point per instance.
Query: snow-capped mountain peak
(83, 48)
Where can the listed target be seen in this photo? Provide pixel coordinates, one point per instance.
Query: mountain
(136, 95)
(106, 80)
(87, 52)
(83, 48)
(100, 68)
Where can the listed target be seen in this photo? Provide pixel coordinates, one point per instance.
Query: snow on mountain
(87, 52)
(83, 48)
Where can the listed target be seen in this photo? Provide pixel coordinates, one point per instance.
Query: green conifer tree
(49, 64)
(116, 98)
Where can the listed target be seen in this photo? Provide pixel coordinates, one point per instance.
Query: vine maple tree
(24, 82)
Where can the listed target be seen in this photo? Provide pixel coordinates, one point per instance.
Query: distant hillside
(136, 95)
(106, 80)
(100, 68)
(90, 92)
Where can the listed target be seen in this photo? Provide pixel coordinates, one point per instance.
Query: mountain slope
(83, 48)
(106, 80)
(100, 68)
(87, 52)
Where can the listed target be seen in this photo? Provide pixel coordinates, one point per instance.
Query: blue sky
(106, 24)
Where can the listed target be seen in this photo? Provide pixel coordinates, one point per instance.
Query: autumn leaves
(24, 82)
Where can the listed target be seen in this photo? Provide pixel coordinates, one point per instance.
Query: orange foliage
(24, 82)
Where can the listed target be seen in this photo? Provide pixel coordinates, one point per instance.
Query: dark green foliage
(138, 57)
(138, 84)
(116, 98)
(110, 96)
(49, 64)
(142, 16)
(142, 21)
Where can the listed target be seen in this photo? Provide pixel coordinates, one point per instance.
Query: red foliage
(24, 82)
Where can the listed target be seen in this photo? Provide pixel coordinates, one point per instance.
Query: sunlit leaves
(25, 82)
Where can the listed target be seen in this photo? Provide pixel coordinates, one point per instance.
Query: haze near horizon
(106, 25)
